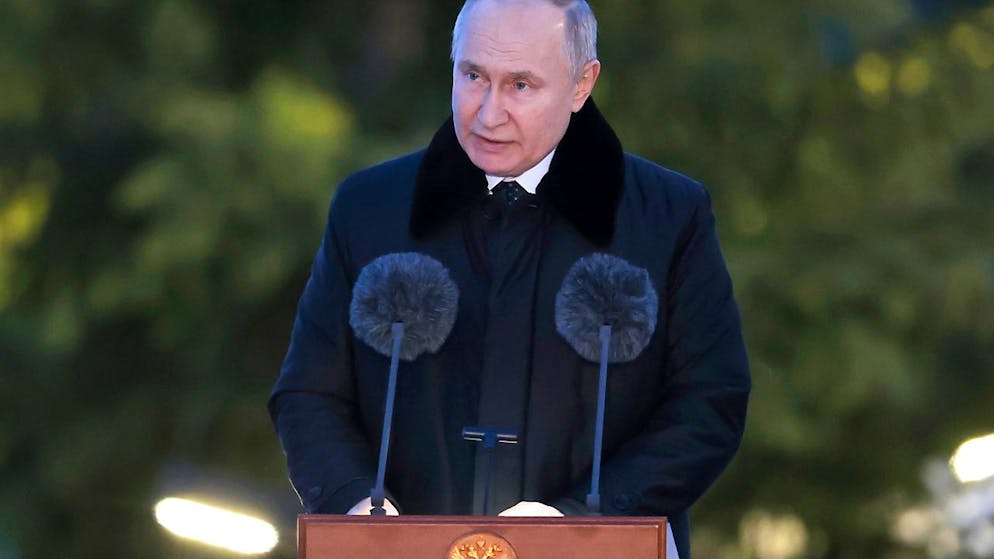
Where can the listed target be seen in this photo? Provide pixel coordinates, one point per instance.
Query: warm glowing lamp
(215, 526)
(974, 459)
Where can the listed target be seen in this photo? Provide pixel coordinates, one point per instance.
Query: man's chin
(494, 165)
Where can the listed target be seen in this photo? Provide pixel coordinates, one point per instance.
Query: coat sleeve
(697, 425)
(313, 404)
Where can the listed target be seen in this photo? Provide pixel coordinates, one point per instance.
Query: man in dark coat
(522, 75)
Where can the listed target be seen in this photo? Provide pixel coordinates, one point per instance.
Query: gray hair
(581, 32)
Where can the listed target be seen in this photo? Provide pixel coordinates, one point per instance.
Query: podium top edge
(484, 520)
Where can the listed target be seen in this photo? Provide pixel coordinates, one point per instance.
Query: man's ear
(588, 77)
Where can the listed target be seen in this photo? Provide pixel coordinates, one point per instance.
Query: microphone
(606, 311)
(403, 305)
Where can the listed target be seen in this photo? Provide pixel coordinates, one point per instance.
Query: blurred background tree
(165, 170)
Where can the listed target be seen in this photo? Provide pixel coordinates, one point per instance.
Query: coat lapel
(584, 181)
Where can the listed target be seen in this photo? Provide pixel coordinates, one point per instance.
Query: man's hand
(531, 508)
(362, 508)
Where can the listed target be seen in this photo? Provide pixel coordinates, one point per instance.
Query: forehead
(523, 33)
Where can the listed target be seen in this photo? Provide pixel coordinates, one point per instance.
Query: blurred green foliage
(165, 169)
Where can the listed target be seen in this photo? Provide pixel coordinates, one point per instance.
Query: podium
(479, 537)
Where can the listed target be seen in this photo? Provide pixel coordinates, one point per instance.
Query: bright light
(974, 459)
(217, 527)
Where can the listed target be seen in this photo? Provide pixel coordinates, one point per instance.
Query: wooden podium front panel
(436, 537)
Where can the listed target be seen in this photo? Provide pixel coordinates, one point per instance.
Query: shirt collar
(529, 179)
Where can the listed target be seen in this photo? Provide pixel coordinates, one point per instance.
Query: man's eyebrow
(466, 65)
(524, 75)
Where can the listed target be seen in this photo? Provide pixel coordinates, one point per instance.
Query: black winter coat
(674, 416)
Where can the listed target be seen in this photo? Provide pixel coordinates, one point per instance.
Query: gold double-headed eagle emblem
(481, 546)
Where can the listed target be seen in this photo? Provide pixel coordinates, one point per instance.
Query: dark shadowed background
(165, 171)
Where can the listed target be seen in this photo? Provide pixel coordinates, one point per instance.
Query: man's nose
(492, 112)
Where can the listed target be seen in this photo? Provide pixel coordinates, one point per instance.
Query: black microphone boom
(403, 304)
(606, 310)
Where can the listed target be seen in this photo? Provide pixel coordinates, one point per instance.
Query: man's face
(512, 89)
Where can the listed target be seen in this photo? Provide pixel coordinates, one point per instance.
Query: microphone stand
(377, 494)
(489, 438)
(594, 497)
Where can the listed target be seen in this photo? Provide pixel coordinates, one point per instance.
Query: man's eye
(520, 86)
(473, 76)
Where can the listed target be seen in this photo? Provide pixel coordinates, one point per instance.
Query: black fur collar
(583, 184)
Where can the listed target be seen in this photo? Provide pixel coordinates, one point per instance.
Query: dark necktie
(510, 192)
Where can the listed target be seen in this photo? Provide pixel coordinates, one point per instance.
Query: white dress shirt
(529, 179)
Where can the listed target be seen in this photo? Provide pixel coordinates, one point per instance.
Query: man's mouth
(487, 143)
